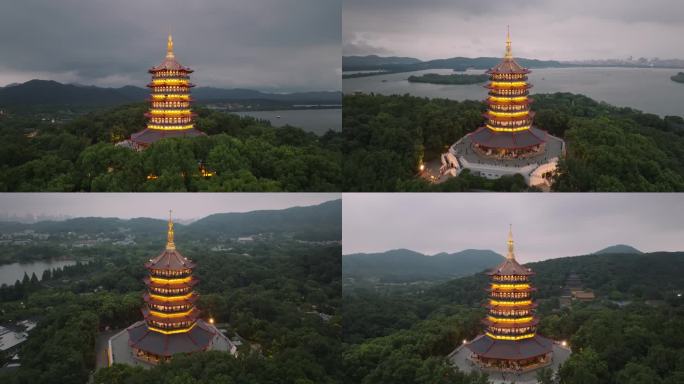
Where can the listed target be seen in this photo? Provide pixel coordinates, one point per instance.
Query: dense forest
(457, 78)
(631, 334)
(78, 154)
(272, 293)
(609, 148)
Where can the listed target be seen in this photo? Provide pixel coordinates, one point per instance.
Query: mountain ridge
(50, 92)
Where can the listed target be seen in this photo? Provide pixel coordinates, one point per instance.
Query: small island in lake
(435, 78)
(678, 77)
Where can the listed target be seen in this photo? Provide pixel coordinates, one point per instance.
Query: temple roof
(170, 259)
(487, 347)
(509, 140)
(508, 64)
(149, 136)
(170, 62)
(197, 339)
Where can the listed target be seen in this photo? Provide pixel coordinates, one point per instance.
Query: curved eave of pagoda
(530, 323)
(511, 307)
(495, 71)
(169, 98)
(528, 116)
(153, 284)
(162, 68)
(527, 101)
(525, 290)
(190, 300)
(188, 85)
(151, 115)
(490, 86)
(152, 265)
(148, 315)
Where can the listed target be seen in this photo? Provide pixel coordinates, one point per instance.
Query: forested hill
(631, 333)
(406, 265)
(406, 64)
(618, 248)
(318, 222)
(48, 92)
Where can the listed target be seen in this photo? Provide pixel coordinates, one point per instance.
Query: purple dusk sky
(544, 225)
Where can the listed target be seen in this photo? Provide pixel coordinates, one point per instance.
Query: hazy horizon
(545, 226)
(267, 45)
(540, 29)
(185, 206)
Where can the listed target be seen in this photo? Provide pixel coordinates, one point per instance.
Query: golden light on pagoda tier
(170, 99)
(169, 307)
(510, 304)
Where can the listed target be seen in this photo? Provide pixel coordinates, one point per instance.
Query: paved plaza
(460, 358)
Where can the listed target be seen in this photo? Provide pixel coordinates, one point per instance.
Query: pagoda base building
(171, 323)
(508, 143)
(170, 115)
(510, 350)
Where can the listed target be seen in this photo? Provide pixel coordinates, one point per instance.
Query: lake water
(10, 273)
(318, 121)
(646, 89)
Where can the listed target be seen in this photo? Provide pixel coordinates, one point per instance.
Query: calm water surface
(10, 273)
(646, 89)
(318, 121)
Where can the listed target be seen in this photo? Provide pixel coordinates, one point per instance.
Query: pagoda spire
(509, 53)
(511, 252)
(169, 48)
(169, 234)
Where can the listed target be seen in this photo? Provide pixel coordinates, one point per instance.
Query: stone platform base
(461, 358)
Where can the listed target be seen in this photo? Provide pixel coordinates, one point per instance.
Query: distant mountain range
(48, 92)
(407, 64)
(318, 222)
(407, 265)
(619, 248)
(402, 265)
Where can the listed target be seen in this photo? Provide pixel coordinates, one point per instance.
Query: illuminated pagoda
(169, 114)
(171, 322)
(508, 130)
(508, 143)
(510, 342)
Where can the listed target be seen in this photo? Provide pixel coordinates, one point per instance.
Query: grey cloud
(97, 39)
(545, 226)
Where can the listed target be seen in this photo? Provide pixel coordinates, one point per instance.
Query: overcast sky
(544, 225)
(541, 29)
(275, 45)
(155, 205)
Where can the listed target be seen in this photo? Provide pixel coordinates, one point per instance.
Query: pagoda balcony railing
(511, 278)
(164, 273)
(156, 90)
(171, 120)
(504, 92)
(509, 107)
(170, 308)
(511, 331)
(162, 325)
(169, 291)
(507, 77)
(171, 73)
(509, 123)
(497, 295)
(515, 314)
(172, 105)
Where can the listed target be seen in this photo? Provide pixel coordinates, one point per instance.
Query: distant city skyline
(545, 226)
(268, 45)
(185, 206)
(540, 29)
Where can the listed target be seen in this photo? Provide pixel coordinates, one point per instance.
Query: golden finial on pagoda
(509, 54)
(511, 253)
(169, 234)
(169, 48)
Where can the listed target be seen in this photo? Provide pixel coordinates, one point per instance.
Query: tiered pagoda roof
(511, 323)
(508, 126)
(170, 114)
(171, 320)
